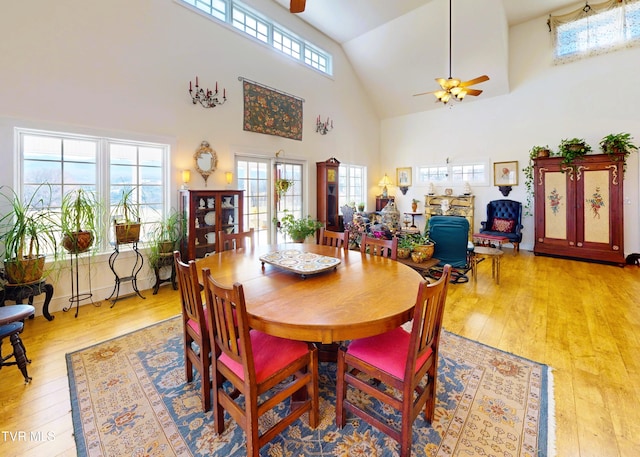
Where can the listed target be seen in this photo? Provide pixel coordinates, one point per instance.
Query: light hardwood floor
(582, 319)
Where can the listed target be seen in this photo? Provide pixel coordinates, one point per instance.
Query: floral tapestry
(271, 112)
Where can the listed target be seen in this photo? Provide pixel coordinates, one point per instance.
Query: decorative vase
(404, 253)
(414, 207)
(417, 257)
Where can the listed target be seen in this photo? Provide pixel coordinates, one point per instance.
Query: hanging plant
(282, 186)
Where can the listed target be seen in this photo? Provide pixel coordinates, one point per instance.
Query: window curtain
(595, 29)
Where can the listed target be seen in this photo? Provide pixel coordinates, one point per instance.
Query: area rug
(129, 398)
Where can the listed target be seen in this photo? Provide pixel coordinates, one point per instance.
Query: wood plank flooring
(582, 319)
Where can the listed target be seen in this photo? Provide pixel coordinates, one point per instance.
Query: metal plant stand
(76, 296)
(133, 277)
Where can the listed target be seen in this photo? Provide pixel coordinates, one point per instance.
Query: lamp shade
(385, 181)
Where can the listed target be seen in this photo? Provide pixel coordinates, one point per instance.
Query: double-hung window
(353, 184)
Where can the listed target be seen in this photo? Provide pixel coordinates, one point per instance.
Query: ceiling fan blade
(478, 80)
(424, 93)
(474, 92)
(297, 6)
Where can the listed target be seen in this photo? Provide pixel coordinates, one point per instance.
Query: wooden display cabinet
(579, 208)
(327, 193)
(205, 212)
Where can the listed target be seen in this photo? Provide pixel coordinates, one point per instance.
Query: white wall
(122, 68)
(587, 99)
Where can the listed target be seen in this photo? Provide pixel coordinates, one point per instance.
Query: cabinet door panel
(555, 205)
(597, 202)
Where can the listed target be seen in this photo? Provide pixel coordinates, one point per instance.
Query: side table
(495, 254)
(165, 260)
(20, 292)
(133, 277)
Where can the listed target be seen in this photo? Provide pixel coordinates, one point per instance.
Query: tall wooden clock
(327, 193)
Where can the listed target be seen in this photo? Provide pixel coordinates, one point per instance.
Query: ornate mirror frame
(206, 160)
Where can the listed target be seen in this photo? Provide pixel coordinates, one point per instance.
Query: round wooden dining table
(363, 295)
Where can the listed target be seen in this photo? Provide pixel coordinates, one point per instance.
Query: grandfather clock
(327, 194)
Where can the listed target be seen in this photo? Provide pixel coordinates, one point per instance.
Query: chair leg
(252, 430)
(218, 410)
(340, 390)
(20, 354)
(205, 379)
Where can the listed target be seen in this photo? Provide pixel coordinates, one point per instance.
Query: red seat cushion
(194, 325)
(387, 351)
(503, 225)
(270, 354)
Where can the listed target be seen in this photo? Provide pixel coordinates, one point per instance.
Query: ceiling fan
(297, 6)
(453, 87)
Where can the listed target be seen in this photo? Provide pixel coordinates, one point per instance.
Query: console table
(133, 277)
(20, 292)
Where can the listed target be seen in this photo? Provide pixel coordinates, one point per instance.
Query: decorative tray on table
(302, 263)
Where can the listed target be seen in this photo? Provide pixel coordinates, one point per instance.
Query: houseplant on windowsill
(297, 229)
(27, 233)
(79, 214)
(618, 143)
(164, 237)
(126, 218)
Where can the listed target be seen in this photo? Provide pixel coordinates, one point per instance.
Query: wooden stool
(495, 255)
(11, 325)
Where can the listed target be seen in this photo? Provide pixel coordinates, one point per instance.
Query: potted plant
(618, 143)
(405, 243)
(79, 220)
(424, 245)
(164, 237)
(572, 149)
(126, 218)
(361, 207)
(297, 229)
(27, 233)
(534, 153)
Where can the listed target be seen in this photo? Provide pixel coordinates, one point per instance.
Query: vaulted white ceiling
(399, 47)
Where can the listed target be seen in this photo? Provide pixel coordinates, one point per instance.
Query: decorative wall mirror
(206, 160)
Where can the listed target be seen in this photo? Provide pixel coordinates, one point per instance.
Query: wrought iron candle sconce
(324, 127)
(207, 98)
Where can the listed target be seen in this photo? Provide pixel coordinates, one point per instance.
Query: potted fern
(572, 149)
(79, 220)
(27, 233)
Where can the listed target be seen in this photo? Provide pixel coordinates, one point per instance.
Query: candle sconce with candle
(207, 98)
(323, 127)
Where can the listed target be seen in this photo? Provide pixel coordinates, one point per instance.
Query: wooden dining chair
(396, 359)
(335, 239)
(376, 246)
(229, 241)
(195, 327)
(255, 363)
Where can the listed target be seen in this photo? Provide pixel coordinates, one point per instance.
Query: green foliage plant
(572, 149)
(79, 214)
(28, 232)
(164, 237)
(618, 143)
(297, 229)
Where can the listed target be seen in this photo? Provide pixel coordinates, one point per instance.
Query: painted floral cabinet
(579, 208)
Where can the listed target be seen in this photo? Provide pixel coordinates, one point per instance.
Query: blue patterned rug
(129, 398)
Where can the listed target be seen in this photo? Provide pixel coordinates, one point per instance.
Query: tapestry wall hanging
(271, 112)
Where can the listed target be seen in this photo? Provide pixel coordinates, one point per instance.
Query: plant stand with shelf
(76, 296)
(133, 278)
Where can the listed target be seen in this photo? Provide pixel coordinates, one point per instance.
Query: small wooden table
(363, 296)
(20, 292)
(494, 254)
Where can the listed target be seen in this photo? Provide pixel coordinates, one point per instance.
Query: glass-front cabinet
(206, 212)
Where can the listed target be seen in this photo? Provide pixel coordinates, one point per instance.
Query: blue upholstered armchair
(504, 218)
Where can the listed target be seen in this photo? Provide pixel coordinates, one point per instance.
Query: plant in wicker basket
(79, 214)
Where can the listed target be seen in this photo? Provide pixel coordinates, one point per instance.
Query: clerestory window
(595, 29)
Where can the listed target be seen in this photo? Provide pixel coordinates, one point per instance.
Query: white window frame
(452, 175)
(346, 192)
(230, 12)
(102, 177)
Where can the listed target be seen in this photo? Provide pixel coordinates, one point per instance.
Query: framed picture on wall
(403, 176)
(505, 173)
